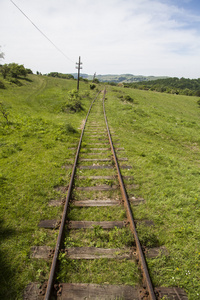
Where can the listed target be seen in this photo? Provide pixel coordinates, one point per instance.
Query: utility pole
(79, 68)
(94, 77)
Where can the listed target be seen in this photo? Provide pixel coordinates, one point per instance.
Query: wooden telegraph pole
(79, 68)
(94, 77)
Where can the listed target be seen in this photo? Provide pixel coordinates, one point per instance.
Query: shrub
(70, 129)
(126, 98)
(198, 93)
(2, 86)
(129, 98)
(73, 103)
(15, 81)
(112, 83)
(4, 111)
(92, 86)
(3, 180)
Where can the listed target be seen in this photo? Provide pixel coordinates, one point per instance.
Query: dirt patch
(82, 124)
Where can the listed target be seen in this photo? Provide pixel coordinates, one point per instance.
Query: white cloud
(112, 36)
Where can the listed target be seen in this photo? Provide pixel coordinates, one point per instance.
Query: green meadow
(34, 148)
(160, 134)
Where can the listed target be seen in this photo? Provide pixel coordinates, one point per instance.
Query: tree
(60, 75)
(14, 70)
(29, 71)
(198, 93)
(5, 70)
(95, 80)
(22, 70)
(17, 70)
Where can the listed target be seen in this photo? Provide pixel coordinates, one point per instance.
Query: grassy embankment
(34, 147)
(163, 145)
(160, 133)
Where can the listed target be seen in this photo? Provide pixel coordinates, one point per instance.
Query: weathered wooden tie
(103, 167)
(96, 177)
(46, 252)
(90, 203)
(92, 224)
(82, 291)
(104, 187)
(54, 224)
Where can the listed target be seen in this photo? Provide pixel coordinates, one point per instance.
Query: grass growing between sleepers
(100, 271)
(115, 213)
(99, 237)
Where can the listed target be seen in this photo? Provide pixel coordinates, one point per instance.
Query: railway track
(97, 212)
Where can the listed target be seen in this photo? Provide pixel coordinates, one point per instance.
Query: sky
(139, 37)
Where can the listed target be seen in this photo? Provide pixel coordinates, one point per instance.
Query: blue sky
(141, 37)
(192, 5)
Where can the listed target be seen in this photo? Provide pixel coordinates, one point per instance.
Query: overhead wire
(41, 31)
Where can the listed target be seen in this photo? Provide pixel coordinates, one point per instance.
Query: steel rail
(143, 264)
(64, 215)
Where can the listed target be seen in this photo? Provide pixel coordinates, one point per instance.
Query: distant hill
(127, 78)
(172, 85)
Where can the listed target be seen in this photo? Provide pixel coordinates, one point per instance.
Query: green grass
(99, 237)
(162, 143)
(97, 214)
(160, 134)
(101, 271)
(94, 182)
(34, 147)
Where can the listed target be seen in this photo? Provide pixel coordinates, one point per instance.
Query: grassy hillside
(171, 85)
(160, 133)
(128, 78)
(161, 137)
(34, 147)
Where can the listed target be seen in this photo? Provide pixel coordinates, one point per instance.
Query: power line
(42, 32)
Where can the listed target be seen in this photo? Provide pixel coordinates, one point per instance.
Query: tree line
(60, 75)
(12, 72)
(172, 85)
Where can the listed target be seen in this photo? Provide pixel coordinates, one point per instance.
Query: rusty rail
(64, 215)
(147, 280)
